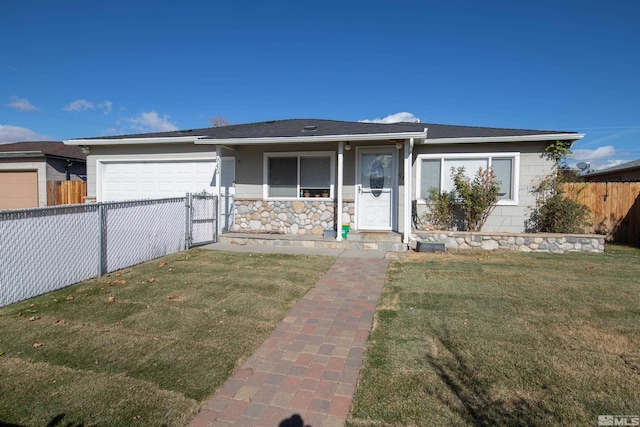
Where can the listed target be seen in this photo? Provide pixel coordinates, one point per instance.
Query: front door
(376, 188)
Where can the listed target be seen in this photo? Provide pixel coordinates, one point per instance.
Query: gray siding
(57, 170)
(532, 167)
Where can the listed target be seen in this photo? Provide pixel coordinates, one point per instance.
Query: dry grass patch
(146, 345)
(482, 339)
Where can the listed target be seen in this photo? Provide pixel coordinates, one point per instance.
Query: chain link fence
(45, 249)
(201, 208)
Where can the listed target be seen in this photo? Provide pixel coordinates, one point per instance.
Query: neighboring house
(25, 168)
(304, 176)
(625, 172)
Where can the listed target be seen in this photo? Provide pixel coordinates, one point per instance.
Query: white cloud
(394, 118)
(21, 104)
(10, 133)
(152, 122)
(79, 105)
(600, 158)
(106, 106)
(590, 155)
(84, 105)
(608, 164)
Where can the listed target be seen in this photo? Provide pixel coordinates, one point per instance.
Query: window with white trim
(434, 170)
(299, 175)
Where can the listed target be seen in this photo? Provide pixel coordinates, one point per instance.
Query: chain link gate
(201, 222)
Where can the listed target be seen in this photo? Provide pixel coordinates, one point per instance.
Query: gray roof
(310, 127)
(618, 168)
(42, 148)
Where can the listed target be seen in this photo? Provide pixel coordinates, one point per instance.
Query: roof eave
(609, 171)
(312, 138)
(18, 154)
(133, 141)
(513, 138)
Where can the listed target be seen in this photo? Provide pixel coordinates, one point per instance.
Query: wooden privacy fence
(615, 207)
(66, 192)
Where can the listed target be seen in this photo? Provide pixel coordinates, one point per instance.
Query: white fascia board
(132, 141)
(515, 138)
(311, 138)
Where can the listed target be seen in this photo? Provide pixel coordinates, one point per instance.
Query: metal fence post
(216, 201)
(101, 233)
(187, 221)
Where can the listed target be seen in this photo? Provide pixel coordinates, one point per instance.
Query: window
(435, 171)
(299, 175)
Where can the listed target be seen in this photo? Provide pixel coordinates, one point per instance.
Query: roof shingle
(309, 127)
(47, 148)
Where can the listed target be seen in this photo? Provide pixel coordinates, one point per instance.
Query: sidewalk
(310, 364)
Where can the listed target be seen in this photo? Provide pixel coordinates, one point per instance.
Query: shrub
(478, 197)
(555, 213)
(441, 209)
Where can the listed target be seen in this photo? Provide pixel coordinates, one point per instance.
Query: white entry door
(376, 188)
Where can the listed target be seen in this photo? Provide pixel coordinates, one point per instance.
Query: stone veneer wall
(348, 212)
(289, 217)
(556, 243)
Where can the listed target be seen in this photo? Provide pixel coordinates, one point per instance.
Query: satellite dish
(583, 166)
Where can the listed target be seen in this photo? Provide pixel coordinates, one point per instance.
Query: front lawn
(146, 345)
(504, 339)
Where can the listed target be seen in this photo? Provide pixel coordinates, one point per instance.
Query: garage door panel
(18, 189)
(149, 180)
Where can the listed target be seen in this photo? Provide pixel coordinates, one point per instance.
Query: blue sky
(72, 69)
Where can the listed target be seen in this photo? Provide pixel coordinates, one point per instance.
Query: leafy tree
(558, 152)
(555, 213)
(478, 197)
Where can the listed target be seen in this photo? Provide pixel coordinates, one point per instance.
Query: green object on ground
(345, 230)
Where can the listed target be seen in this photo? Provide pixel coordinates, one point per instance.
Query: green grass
(504, 339)
(176, 329)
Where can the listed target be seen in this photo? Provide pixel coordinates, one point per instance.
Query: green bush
(554, 213)
(558, 214)
(478, 197)
(441, 209)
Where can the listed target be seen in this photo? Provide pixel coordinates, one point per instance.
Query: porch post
(218, 188)
(339, 191)
(408, 189)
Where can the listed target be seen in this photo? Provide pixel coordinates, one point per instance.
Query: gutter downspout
(339, 192)
(408, 189)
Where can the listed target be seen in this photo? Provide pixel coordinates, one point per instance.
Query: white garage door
(154, 179)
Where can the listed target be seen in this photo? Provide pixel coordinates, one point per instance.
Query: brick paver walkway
(310, 363)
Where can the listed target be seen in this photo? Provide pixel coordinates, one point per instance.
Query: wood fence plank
(615, 207)
(66, 192)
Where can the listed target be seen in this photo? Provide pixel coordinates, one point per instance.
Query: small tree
(478, 196)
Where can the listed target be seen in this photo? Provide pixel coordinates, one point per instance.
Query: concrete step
(364, 236)
(392, 245)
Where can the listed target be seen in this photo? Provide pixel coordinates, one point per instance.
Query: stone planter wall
(310, 217)
(555, 243)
